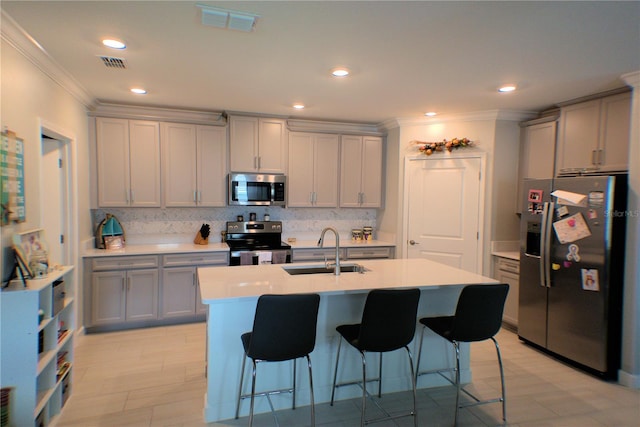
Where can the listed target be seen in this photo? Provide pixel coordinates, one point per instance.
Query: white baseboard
(628, 380)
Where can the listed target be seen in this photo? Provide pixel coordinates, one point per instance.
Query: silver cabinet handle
(593, 157)
(413, 242)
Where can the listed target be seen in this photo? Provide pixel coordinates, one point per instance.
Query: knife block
(199, 240)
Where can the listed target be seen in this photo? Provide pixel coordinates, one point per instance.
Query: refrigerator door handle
(547, 221)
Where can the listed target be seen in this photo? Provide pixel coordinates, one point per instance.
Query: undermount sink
(321, 269)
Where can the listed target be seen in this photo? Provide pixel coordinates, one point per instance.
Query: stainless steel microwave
(257, 190)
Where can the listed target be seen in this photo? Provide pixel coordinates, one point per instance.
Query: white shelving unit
(37, 349)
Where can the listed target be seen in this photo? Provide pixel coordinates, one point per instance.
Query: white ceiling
(406, 57)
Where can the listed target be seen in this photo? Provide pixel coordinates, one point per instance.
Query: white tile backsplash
(175, 223)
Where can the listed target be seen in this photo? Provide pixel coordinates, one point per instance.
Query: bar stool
(284, 328)
(478, 317)
(388, 323)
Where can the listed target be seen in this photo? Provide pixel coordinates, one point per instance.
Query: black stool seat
(284, 328)
(478, 317)
(388, 323)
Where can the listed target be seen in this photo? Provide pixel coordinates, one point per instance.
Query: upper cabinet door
(372, 172)
(325, 171)
(300, 178)
(361, 172)
(351, 171)
(615, 127)
(212, 165)
(257, 145)
(313, 170)
(144, 167)
(594, 135)
(537, 155)
(243, 144)
(578, 139)
(112, 147)
(179, 166)
(272, 147)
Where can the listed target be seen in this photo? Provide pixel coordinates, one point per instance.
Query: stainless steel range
(256, 242)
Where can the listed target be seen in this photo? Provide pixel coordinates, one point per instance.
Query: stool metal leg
(364, 388)
(293, 390)
(380, 378)
(244, 362)
(335, 373)
(253, 391)
(419, 353)
(504, 397)
(413, 386)
(313, 411)
(458, 385)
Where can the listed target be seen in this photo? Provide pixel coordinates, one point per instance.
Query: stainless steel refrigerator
(571, 269)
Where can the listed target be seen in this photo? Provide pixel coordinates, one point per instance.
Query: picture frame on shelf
(31, 247)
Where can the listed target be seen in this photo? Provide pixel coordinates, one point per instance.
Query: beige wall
(30, 98)
(498, 140)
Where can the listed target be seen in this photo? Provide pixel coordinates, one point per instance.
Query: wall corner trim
(17, 37)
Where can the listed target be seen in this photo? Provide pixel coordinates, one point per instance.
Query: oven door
(249, 257)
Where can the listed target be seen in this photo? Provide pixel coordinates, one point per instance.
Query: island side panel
(229, 319)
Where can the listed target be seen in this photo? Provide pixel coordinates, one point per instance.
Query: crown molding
(299, 125)
(489, 115)
(163, 114)
(27, 46)
(632, 79)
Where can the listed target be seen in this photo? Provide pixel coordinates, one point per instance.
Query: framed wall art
(12, 178)
(31, 247)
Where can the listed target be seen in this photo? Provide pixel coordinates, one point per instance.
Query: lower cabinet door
(179, 289)
(142, 294)
(108, 297)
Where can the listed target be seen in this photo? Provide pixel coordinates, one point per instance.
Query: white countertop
(157, 249)
(178, 248)
(514, 255)
(218, 284)
(330, 243)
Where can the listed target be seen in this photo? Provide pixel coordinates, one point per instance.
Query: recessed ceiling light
(298, 106)
(114, 44)
(340, 72)
(507, 88)
(430, 114)
(139, 91)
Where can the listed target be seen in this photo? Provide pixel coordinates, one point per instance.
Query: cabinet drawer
(509, 265)
(366, 253)
(213, 258)
(319, 254)
(124, 262)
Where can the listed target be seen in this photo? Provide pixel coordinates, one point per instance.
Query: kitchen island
(231, 294)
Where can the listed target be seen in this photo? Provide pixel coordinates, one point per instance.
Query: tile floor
(154, 377)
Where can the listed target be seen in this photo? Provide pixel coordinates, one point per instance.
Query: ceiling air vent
(112, 62)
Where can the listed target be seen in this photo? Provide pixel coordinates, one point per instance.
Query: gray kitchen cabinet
(346, 253)
(124, 296)
(537, 154)
(194, 170)
(180, 291)
(594, 135)
(370, 253)
(316, 254)
(361, 172)
(313, 170)
(507, 270)
(122, 290)
(128, 162)
(257, 144)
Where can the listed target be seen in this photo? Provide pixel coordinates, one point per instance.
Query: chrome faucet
(321, 242)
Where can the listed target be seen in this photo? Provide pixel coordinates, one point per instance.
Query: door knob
(413, 242)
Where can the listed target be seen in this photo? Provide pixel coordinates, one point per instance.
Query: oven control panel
(255, 227)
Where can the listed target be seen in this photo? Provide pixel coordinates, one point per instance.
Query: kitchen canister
(356, 234)
(367, 233)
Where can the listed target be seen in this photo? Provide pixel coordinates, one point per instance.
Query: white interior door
(443, 211)
(54, 199)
